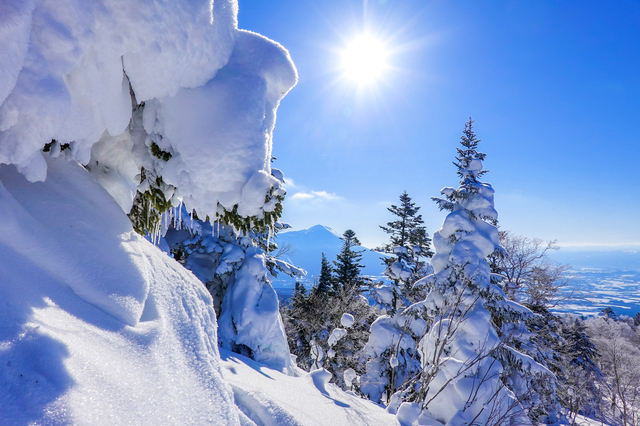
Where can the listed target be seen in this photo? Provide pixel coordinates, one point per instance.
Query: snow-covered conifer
(409, 243)
(463, 357)
(236, 271)
(391, 352)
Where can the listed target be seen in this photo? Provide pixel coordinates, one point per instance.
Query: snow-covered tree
(465, 368)
(409, 247)
(391, 352)
(407, 231)
(619, 347)
(530, 277)
(315, 323)
(237, 273)
(579, 379)
(391, 355)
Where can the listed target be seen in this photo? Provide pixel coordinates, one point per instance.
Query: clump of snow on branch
(347, 320)
(119, 75)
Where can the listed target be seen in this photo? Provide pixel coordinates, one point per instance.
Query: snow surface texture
(210, 92)
(270, 398)
(97, 326)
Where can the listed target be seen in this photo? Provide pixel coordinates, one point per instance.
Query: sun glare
(364, 60)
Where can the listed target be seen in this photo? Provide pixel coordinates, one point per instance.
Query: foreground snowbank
(269, 397)
(97, 326)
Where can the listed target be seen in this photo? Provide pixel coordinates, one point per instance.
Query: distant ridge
(307, 247)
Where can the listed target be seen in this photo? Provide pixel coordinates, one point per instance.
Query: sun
(364, 60)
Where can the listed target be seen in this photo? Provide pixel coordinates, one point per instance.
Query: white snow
(210, 93)
(97, 326)
(336, 335)
(347, 320)
(269, 397)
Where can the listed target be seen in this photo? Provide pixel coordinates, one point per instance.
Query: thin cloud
(314, 195)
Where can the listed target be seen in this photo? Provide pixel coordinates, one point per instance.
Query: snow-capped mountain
(307, 246)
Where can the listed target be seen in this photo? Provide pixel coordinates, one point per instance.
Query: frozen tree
(236, 271)
(529, 275)
(619, 347)
(391, 352)
(465, 365)
(579, 378)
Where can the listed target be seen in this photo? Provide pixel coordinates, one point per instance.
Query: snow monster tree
(465, 371)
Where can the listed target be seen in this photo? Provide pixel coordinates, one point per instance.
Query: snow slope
(149, 354)
(97, 326)
(271, 398)
(307, 248)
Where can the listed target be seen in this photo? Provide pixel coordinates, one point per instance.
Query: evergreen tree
(347, 265)
(466, 365)
(299, 298)
(324, 281)
(407, 231)
(392, 356)
(410, 245)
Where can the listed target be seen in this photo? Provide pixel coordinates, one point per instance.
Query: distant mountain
(307, 246)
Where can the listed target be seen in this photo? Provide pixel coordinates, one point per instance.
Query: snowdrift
(271, 398)
(97, 326)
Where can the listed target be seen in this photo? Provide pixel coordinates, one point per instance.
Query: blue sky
(553, 87)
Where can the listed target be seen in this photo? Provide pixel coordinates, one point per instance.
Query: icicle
(268, 239)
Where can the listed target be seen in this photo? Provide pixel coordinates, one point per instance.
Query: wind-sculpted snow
(97, 326)
(69, 243)
(70, 70)
(268, 397)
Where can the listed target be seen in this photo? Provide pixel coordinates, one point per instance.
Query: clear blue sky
(553, 87)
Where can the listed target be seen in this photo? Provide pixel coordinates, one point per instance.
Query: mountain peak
(322, 228)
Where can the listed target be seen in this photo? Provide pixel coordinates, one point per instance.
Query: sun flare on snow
(364, 60)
